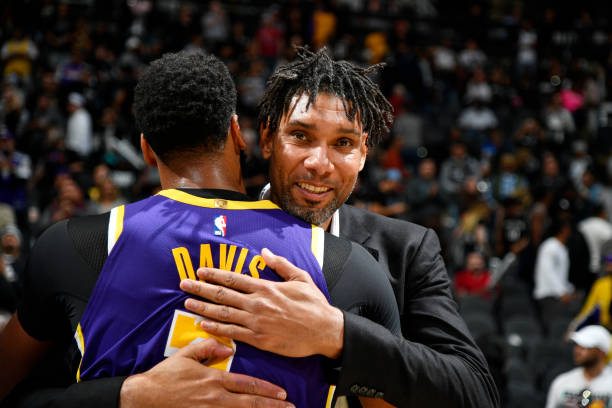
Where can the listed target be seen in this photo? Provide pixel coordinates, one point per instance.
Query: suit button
(354, 388)
(363, 391)
(371, 392)
(379, 395)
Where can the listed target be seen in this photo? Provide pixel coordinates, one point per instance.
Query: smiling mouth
(313, 189)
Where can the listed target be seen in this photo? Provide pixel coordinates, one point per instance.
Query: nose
(318, 161)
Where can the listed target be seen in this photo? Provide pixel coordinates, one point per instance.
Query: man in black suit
(316, 137)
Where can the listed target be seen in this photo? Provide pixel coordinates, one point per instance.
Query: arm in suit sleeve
(437, 362)
(98, 393)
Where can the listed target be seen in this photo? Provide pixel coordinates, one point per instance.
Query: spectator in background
(323, 25)
(527, 57)
(269, 37)
(69, 201)
(559, 123)
(13, 111)
(596, 230)
(18, 54)
(474, 279)
(46, 114)
(423, 194)
(215, 24)
(15, 171)
(8, 296)
(469, 234)
(578, 163)
(109, 198)
(408, 126)
(597, 306)
(478, 89)
(551, 178)
(552, 285)
(592, 190)
(477, 120)
(472, 57)
(590, 384)
(456, 169)
(10, 249)
(79, 133)
(73, 75)
(11, 268)
(509, 182)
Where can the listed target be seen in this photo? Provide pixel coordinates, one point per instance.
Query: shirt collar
(216, 193)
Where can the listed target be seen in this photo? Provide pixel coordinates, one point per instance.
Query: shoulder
(68, 234)
(568, 377)
(550, 245)
(50, 238)
(361, 286)
(353, 217)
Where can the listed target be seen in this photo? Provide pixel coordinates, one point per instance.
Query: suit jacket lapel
(351, 226)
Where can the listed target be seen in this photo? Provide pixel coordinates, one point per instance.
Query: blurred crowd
(501, 142)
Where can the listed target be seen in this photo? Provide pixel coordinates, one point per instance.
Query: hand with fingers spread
(292, 318)
(182, 380)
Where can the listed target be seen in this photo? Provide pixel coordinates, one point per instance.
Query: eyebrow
(312, 126)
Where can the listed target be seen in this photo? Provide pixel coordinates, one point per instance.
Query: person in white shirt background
(590, 384)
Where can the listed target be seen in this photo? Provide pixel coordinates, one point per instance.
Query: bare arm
(19, 352)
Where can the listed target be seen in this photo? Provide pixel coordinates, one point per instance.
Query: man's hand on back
(291, 318)
(183, 381)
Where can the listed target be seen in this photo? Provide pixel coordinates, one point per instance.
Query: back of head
(184, 103)
(316, 72)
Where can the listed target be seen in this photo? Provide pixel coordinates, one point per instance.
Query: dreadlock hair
(316, 72)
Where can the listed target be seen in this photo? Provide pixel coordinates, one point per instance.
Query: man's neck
(592, 372)
(202, 174)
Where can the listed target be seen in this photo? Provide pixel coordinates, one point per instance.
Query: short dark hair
(317, 72)
(185, 101)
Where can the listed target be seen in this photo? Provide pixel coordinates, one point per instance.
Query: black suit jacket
(437, 363)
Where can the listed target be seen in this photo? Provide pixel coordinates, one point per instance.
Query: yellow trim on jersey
(119, 221)
(187, 198)
(317, 243)
(330, 396)
(115, 226)
(78, 336)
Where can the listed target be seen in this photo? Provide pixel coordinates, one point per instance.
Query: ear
(236, 134)
(266, 142)
(147, 152)
(364, 151)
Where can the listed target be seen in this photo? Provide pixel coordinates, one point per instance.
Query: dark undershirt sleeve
(359, 287)
(39, 313)
(99, 393)
(364, 289)
(61, 289)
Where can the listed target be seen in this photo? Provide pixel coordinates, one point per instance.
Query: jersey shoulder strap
(90, 238)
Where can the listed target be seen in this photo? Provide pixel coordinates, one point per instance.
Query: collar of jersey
(210, 198)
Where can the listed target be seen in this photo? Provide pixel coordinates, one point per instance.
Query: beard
(589, 362)
(316, 216)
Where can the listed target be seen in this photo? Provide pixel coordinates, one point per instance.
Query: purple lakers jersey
(135, 316)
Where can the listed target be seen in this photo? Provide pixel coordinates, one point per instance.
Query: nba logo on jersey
(220, 225)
